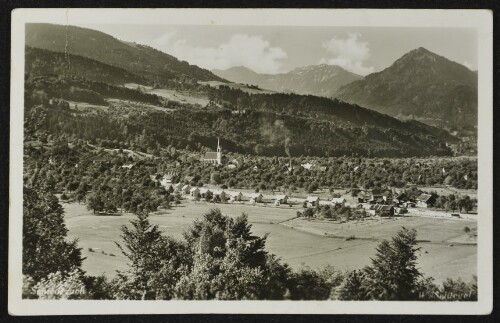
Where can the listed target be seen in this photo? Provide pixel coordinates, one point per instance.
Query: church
(214, 157)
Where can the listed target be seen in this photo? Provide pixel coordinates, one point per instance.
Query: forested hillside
(252, 124)
(44, 62)
(138, 59)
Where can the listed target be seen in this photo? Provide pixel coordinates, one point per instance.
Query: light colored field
(136, 104)
(298, 242)
(450, 190)
(239, 86)
(172, 95)
(80, 106)
(434, 230)
(130, 153)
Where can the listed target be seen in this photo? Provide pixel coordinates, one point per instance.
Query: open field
(172, 95)
(239, 86)
(450, 190)
(84, 106)
(130, 153)
(298, 242)
(141, 105)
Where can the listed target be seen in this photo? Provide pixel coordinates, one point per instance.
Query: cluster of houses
(390, 203)
(384, 203)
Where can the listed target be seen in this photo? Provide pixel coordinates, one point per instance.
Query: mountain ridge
(322, 80)
(151, 63)
(260, 124)
(420, 84)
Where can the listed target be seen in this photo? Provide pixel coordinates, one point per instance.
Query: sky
(279, 49)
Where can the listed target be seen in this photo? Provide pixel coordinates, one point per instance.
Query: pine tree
(148, 252)
(393, 274)
(45, 249)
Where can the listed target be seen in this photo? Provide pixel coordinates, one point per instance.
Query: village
(388, 202)
(385, 204)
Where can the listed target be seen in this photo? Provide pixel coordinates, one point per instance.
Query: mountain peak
(420, 83)
(422, 50)
(419, 53)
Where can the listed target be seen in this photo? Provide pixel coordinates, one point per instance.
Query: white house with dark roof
(280, 199)
(312, 200)
(193, 190)
(425, 200)
(338, 201)
(235, 196)
(256, 198)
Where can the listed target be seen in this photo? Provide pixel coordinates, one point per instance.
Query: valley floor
(446, 250)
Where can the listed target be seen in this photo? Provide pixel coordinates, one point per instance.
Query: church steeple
(219, 152)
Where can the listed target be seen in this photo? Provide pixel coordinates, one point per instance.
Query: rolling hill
(39, 62)
(420, 85)
(137, 59)
(321, 80)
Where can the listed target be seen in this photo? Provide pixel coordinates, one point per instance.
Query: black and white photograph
(288, 161)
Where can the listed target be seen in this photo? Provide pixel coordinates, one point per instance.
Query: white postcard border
(481, 20)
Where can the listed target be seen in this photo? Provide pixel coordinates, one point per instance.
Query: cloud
(240, 50)
(349, 53)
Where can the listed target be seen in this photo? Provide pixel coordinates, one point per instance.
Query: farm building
(214, 157)
(220, 194)
(381, 198)
(426, 200)
(363, 198)
(256, 198)
(400, 210)
(377, 199)
(281, 199)
(400, 198)
(166, 181)
(193, 191)
(408, 204)
(188, 179)
(386, 211)
(235, 196)
(185, 189)
(382, 210)
(338, 201)
(308, 166)
(204, 191)
(312, 200)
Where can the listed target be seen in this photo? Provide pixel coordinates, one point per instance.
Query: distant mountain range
(420, 84)
(142, 60)
(321, 80)
(83, 65)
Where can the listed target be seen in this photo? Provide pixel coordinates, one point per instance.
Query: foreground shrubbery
(218, 258)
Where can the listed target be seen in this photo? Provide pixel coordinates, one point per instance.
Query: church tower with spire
(219, 152)
(214, 157)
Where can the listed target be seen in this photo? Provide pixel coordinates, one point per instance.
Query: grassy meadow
(446, 250)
